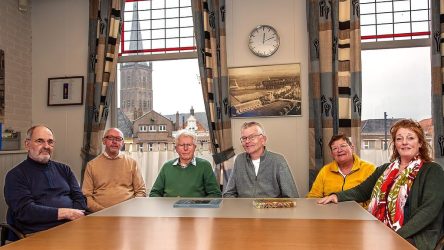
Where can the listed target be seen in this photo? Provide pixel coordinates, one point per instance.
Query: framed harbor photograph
(65, 91)
(273, 90)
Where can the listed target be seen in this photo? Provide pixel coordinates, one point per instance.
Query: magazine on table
(200, 203)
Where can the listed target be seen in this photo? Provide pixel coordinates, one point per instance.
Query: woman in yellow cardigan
(346, 171)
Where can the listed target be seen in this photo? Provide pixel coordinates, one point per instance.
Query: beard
(43, 156)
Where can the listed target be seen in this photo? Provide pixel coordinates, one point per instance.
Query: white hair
(186, 133)
(260, 129)
(107, 131)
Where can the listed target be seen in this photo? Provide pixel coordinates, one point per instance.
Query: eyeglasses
(112, 138)
(249, 138)
(41, 142)
(342, 147)
(185, 145)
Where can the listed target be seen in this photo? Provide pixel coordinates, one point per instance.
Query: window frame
(143, 128)
(369, 142)
(145, 58)
(152, 128)
(181, 54)
(422, 42)
(383, 142)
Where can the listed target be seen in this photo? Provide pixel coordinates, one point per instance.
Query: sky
(176, 87)
(396, 81)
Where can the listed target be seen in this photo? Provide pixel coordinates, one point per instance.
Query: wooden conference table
(153, 223)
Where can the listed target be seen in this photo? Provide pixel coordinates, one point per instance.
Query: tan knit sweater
(110, 181)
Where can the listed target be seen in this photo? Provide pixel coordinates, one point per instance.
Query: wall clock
(263, 41)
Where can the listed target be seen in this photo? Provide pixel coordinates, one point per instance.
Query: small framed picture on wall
(65, 91)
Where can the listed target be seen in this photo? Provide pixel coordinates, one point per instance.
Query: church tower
(136, 79)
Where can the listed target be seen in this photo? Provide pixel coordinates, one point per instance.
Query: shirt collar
(356, 166)
(192, 162)
(36, 163)
(119, 156)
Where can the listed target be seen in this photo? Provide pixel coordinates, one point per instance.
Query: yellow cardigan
(329, 180)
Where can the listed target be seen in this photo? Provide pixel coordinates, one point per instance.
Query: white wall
(59, 48)
(287, 135)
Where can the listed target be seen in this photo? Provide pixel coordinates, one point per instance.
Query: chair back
(8, 230)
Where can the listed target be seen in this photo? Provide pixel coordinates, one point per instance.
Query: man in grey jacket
(259, 173)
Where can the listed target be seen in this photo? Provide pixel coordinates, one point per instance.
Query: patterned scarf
(391, 192)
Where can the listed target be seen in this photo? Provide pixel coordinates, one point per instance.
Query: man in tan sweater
(112, 177)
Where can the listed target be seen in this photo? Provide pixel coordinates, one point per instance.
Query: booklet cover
(274, 203)
(206, 203)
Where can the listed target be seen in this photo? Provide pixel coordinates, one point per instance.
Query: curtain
(335, 92)
(209, 29)
(437, 65)
(104, 32)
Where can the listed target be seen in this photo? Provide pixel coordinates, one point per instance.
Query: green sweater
(196, 180)
(424, 210)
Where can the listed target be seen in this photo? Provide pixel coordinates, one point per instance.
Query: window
(389, 20)
(369, 144)
(143, 128)
(158, 26)
(365, 144)
(395, 37)
(140, 147)
(385, 144)
(390, 78)
(156, 39)
(152, 128)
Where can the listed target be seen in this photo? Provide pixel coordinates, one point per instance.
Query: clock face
(264, 41)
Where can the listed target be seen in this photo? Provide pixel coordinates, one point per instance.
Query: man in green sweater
(186, 176)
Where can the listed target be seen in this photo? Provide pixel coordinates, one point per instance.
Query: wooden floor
(102, 232)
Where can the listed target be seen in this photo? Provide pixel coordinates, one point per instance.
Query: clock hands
(263, 38)
(268, 38)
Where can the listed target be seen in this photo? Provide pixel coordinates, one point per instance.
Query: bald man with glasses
(187, 175)
(259, 173)
(112, 177)
(41, 193)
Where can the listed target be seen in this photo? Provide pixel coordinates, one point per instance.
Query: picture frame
(2, 85)
(269, 91)
(65, 91)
